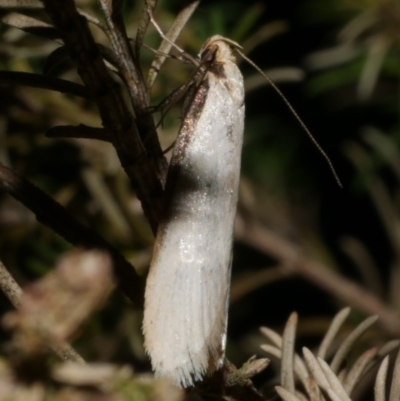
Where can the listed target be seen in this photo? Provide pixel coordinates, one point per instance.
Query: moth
(187, 289)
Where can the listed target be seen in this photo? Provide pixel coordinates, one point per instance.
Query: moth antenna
(159, 30)
(170, 147)
(293, 111)
(183, 58)
(157, 52)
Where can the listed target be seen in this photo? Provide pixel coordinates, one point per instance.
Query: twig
(53, 215)
(131, 73)
(141, 168)
(144, 22)
(14, 293)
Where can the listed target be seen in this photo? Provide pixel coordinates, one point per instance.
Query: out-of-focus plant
(368, 47)
(367, 54)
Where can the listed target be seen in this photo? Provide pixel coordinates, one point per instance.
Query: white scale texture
(187, 291)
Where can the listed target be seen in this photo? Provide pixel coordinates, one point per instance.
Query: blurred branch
(10, 287)
(37, 27)
(95, 184)
(14, 293)
(53, 215)
(379, 194)
(44, 82)
(364, 263)
(378, 49)
(141, 167)
(35, 4)
(61, 54)
(289, 254)
(246, 283)
(80, 131)
(385, 146)
(263, 34)
(277, 75)
(30, 25)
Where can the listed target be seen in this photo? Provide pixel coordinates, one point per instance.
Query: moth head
(217, 48)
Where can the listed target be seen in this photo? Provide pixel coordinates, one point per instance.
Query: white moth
(187, 290)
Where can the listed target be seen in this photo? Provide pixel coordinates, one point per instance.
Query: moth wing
(188, 284)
